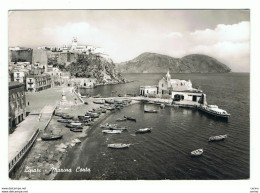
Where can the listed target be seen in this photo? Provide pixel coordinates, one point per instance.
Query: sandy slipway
(45, 158)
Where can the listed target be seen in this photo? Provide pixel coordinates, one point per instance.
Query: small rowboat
(130, 118)
(124, 119)
(150, 111)
(48, 137)
(117, 128)
(145, 130)
(74, 126)
(111, 131)
(77, 129)
(64, 120)
(67, 117)
(98, 102)
(217, 138)
(197, 152)
(118, 145)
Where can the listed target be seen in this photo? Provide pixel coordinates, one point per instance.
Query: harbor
(48, 155)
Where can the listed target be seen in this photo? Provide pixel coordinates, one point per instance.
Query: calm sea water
(165, 153)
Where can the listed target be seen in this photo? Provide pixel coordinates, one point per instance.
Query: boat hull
(213, 114)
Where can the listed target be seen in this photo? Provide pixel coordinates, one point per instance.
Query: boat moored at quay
(214, 111)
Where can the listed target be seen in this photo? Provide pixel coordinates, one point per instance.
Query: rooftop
(15, 84)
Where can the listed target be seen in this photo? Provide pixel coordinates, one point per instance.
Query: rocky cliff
(157, 63)
(93, 66)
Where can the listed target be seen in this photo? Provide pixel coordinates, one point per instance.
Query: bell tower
(74, 43)
(168, 76)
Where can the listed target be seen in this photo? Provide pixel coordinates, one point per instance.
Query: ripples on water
(165, 153)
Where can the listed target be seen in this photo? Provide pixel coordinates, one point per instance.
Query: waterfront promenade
(41, 107)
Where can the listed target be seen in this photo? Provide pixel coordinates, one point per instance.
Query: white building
(148, 90)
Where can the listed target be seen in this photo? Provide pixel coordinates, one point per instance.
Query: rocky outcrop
(157, 63)
(93, 66)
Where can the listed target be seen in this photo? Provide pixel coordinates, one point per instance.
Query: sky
(125, 34)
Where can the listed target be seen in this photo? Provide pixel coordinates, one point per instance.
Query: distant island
(158, 63)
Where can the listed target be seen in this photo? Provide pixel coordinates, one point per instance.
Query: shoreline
(44, 157)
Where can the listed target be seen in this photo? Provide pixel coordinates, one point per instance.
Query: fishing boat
(150, 111)
(111, 131)
(218, 138)
(130, 118)
(109, 101)
(97, 96)
(145, 130)
(118, 145)
(98, 102)
(64, 120)
(197, 152)
(73, 126)
(111, 108)
(117, 128)
(123, 119)
(214, 111)
(76, 123)
(76, 129)
(48, 137)
(67, 117)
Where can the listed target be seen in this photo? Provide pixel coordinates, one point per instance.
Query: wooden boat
(73, 126)
(118, 145)
(109, 101)
(123, 119)
(145, 130)
(197, 152)
(218, 138)
(111, 131)
(117, 128)
(76, 123)
(98, 102)
(64, 120)
(48, 137)
(150, 111)
(111, 108)
(97, 96)
(76, 129)
(130, 118)
(67, 117)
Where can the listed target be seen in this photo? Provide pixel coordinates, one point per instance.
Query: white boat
(111, 131)
(218, 137)
(145, 130)
(197, 152)
(76, 124)
(118, 145)
(214, 111)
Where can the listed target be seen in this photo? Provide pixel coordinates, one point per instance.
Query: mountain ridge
(148, 62)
